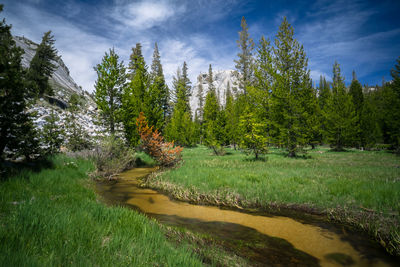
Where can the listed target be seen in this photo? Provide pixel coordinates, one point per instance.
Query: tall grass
(327, 179)
(361, 188)
(53, 218)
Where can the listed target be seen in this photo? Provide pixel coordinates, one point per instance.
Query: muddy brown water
(263, 239)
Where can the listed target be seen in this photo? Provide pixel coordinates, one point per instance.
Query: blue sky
(361, 35)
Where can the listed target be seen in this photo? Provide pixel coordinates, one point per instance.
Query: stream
(266, 240)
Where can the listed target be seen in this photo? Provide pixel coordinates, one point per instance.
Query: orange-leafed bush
(153, 143)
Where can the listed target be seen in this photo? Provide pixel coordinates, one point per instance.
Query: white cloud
(80, 50)
(316, 74)
(335, 31)
(145, 14)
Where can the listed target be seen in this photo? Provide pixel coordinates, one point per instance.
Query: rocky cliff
(64, 86)
(222, 81)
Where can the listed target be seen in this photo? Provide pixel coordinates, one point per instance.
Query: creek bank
(384, 230)
(261, 238)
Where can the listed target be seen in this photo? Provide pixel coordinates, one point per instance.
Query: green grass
(52, 217)
(364, 186)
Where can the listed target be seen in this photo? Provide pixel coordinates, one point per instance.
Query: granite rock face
(223, 80)
(64, 86)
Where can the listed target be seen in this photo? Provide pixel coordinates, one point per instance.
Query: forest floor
(358, 188)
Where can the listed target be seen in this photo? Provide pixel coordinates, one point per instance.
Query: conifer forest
(264, 164)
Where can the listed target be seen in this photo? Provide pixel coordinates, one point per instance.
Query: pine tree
(357, 98)
(134, 96)
(199, 113)
(212, 117)
(181, 128)
(111, 80)
(312, 119)
(200, 97)
(253, 135)
(53, 134)
(291, 91)
(339, 114)
(356, 93)
(232, 118)
(158, 97)
(244, 64)
(77, 138)
(42, 67)
(324, 94)
(259, 94)
(369, 122)
(15, 122)
(186, 86)
(391, 110)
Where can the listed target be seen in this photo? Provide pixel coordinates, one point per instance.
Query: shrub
(153, 144)
(112, 157)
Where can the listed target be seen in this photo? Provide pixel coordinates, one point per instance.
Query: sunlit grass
(53, 218)
(360, 188)
(326, 179)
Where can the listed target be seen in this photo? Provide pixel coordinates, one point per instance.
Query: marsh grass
(361, 188)
(53, 217)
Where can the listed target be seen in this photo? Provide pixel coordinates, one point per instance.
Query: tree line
(276, 104)
(20, 89)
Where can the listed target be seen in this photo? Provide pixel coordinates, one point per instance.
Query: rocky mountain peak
(223, 79)
(61, 81)
(63, 86)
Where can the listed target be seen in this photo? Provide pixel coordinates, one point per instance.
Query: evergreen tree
(324, 92)
(391, 110)
(181, 128)
(357, 98)
(291, 92)
(312, 119)
(77, 138)
(200, 96)
(199, 114)
(356, 93)
(339, 114)
(134, 96)
(182, 89)
(111, 79)
(53, 135)
(158, 96)
(42, 67)
(17, 133)
(369, 122)
(244, 63)
(232, 121)
(253, 135)
(259, 94)
(213, 119)
(186, 86)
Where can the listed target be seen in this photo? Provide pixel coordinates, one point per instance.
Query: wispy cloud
(336, 31)
(145, 14)
(80, 50)
(203, 32)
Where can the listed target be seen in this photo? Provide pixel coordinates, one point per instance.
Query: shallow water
(264, 239)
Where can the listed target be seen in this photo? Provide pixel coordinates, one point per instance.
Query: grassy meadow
(53, 217)
(361, 188)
